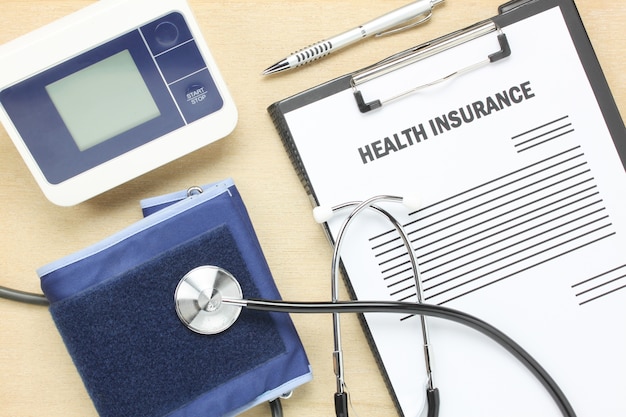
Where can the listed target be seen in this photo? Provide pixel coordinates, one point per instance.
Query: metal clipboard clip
(423, 51)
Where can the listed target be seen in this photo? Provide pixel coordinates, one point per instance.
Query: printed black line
(513, 274)
(432, 243)
(513, 255)
(408, 296)
(396, 274)
(502, 267)
(601, 285)
(395, 258)
(539, 127)
(554, 210)
(602, 295)
(402, 290)
(459, 249)
(512, 244)
(542, 179)
(400, 282)
(522, 270)
(498, 207)
(598, 276)
(545, 141)
(543, 134)
(505, 248)
(396, 266)
(471, 190)
(498, 197)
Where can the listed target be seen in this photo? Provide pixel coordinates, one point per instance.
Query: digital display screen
(103, 100)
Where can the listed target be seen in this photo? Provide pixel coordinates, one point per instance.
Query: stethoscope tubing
(23, 296)
(423, 310)
(358, 207)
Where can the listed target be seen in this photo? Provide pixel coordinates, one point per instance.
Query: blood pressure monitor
(109, 93)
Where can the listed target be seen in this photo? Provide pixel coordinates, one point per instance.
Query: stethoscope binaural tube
(323, 214)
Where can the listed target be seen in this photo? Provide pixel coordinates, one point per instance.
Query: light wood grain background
(37, 377)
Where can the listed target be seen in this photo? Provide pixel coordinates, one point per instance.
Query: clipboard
(462, 120)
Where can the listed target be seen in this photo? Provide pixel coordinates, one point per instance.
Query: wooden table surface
(37, 377)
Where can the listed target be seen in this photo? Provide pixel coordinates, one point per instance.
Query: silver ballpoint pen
(383, 25)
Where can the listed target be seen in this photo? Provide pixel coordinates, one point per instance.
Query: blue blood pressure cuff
(113, 304)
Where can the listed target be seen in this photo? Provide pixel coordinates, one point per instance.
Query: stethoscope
(209, 300)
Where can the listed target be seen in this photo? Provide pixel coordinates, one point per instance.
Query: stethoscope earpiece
(322, 214)
(412, 202)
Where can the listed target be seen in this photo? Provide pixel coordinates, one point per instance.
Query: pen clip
(420, 19)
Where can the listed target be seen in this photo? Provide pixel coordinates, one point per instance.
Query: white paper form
(523, 222)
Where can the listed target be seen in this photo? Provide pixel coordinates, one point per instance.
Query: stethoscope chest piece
(198, 299)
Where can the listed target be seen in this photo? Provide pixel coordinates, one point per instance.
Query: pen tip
(277, 67)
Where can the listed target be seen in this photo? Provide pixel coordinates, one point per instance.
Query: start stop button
(196, 94)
